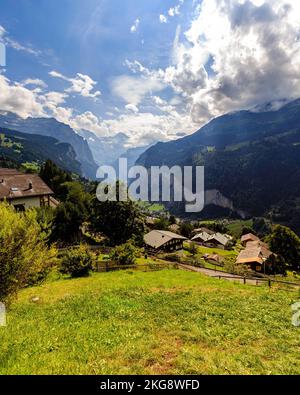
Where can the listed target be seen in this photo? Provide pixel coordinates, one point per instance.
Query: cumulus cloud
(82, 84)
(236, 54)
(254, 57)
(135, 26)
(19, 99)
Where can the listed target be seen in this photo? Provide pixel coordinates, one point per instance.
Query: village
(165, 238)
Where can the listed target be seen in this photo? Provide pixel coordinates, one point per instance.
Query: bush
(125, 254)
(77, 262)
(25, 258)
(231, 267)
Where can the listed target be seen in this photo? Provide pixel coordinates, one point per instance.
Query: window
(20, 208)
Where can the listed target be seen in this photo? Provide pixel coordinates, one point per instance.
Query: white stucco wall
(28, 202)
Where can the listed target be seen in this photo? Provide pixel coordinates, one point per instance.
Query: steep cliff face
(52, 128)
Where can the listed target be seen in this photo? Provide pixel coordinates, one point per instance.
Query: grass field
(171, 321)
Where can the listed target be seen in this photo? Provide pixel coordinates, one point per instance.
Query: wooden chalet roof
(254, 253)
(249, 237)
(202, 237)
(157, 238)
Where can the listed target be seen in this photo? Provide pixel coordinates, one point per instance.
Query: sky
(155, 70)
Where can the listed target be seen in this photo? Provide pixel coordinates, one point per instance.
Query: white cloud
(135, 26)
(236, 54)
(174, 11)
(34, 82)
(19, 99)
(255, 56)
(163, 18)
(134, 89)
(132, 107)
(82, 84)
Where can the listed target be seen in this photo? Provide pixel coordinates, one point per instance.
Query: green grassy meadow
(167, 322)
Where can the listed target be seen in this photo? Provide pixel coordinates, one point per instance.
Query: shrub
(125, 254)
(25, 258)
(77, 262)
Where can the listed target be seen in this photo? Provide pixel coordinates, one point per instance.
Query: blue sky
(91, 37)
(153, 69)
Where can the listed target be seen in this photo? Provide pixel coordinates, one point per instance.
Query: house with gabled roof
(161, 240)
(25, 191)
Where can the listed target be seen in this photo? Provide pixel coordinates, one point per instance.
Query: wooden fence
(259, 281)
(149, 267)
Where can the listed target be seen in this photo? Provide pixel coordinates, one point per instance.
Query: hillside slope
(52, 128)
(168, 322)
(23, 148)
(252, 158)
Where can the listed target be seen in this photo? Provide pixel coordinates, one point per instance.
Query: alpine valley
(251, 159)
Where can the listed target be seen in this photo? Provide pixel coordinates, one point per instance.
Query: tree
(71, 214)
(285, 243)
(186, 229)
(162, 223)
(193, 248)
(55, 178)
(246, 230)
(25, 257)
(275, 265)
(118, 220)
(125, 254)
(172, 220)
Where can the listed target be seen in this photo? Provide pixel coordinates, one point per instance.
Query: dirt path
(220, 274)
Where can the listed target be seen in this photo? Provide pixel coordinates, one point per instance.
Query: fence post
(245, 281)
(270, 283)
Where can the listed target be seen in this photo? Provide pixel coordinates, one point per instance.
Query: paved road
(225, 276)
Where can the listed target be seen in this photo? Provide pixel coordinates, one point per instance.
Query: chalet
(249, 237)
(216, 240)
(25, 191)
(213, 258)
(160, 240)
(254, 257)
(203, 230)
(201, 238)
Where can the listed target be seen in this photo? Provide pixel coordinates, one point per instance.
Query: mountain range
(252, 158)
(50, 127)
